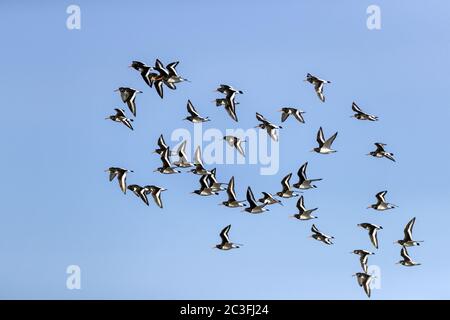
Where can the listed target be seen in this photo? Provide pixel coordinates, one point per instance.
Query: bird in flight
(268, 126)
(407, 261)
(287, 111)
(363, 257)
(121, 117)
(361, 115)
(128, 96)
(194, 116)
(286, 192)
(236, 143)
(380, 152)
(364, 281)
(381, 204)
(318, 85)
(324, 145)
(205, 187)
(232, 201)
(373, 232)
(226, 244)
(198, 162)
(253, 205)
(155, 191)
(303, 213)
(303, 182)
(167, 167)
(407, 240)
(319, 236)
(139, 192)
(269, 199)
(182, 158)
(121, 174)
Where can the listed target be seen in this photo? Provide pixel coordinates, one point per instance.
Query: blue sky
(59, 209)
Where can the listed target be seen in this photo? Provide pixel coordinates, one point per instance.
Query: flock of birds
(160, 76)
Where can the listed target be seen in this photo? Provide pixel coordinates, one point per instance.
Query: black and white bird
(407, 240)
(364, 281)
(232, 201)
(407, 261)
(287, 111)
(121, 176)
(205, 187)
(363, 258)
(145, 71)
(215, 185)
(303, 182)
(229, 103)
(198, 162)
(268, 126)
(225, 101)
(253, 206)
(361, 115)
(227, 89)
(194, 116)
(121, 117)
(155, 191)
(318, 85)
(182, 161)
(173, 77)
(324, 145)
(286, 192)
(162, 146)
(236, 143)
(161, 78)
(380, 152)
(139, 192)
(303, 213)
(381, 204)
(226, 244)
(128, 96)
(167, 167)
(373, 231)
(319, 236)
(269, 199)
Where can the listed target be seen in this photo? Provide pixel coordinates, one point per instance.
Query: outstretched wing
(120, 112)
(251, 198)
(380, 196)
(404, 254)
(315, 230)
(171, 69)
(204, 183)
(302, 172)
(224, 234)
(301, 204)
(356, 108)
(380, 146)
(285, 182)
(320, 138)
(373, 237)
(230, 190)
(330, 141)
(284, 116)
(408, 229)
(298, 115)
(191, 109)
(261, 118)
(198, 157)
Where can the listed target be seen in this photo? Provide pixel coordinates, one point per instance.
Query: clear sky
(58, 208)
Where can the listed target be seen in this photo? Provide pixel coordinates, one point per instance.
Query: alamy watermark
(260, 148)
(73, 281)
(373, 21)
(73, 21)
